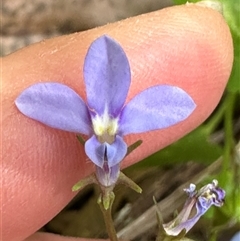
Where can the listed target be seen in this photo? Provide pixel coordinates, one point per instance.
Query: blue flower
(196, 205)
(104, 117)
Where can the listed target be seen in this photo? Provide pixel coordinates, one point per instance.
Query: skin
(186, 46)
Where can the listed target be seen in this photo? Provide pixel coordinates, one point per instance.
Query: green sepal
(133, 146)
(123, 179)
(81, 140)
(84, 182)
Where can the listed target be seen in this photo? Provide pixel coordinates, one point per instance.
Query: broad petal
(155, 108)
(107, 76)
(55, 105)
(104, 152)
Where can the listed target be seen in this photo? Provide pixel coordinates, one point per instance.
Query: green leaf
(231, 12)
(231, 208)
(234, 81)
(180, 2)
(193, 147)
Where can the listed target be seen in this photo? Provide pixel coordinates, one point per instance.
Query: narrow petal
(104, 152)
(220, 195)
(184, 225)
(55, 105)
(155, 108)
(107, 76)
(95, 151)
(182, 221)
(116, 151)
(202, 206)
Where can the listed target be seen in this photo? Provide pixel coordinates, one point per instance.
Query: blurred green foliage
(196, 145)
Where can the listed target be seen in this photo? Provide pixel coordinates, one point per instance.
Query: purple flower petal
(108, 176)
(203, 204)
(236, 237)
(55, 105)
(197, 203)
(116, 151)
(184, 225)
(107, 76)
(103, 152)
(95, 150)
(182, 221)
(220, 195)
(155, 108)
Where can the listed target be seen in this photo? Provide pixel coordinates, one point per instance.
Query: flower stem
(108, 198)
(229, 162)
(216, 118)
(228, 127)
(227, 175)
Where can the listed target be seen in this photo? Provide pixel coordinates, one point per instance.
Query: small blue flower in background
(104, 117)
(236, 237)
(196, 205)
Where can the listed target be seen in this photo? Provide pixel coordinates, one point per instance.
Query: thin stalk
(216, 118)
(213, 236)
(107, 215)
(228, 150)
(228, 128)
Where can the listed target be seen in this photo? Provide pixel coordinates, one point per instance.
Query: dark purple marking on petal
(108, 177)
(220, 195)
(155, 108)
(55, 105)
(107, 76)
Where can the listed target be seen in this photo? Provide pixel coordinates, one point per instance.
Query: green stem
(228, 128)
(107, 215)
(216, 118)
(213, 236)
(228, 107)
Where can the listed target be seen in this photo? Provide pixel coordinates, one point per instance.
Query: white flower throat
(105, 127)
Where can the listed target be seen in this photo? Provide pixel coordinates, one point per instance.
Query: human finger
(186, 46)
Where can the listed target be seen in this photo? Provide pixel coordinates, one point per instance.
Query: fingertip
(187, 46)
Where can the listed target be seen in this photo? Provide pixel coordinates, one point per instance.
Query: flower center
(105, 128)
